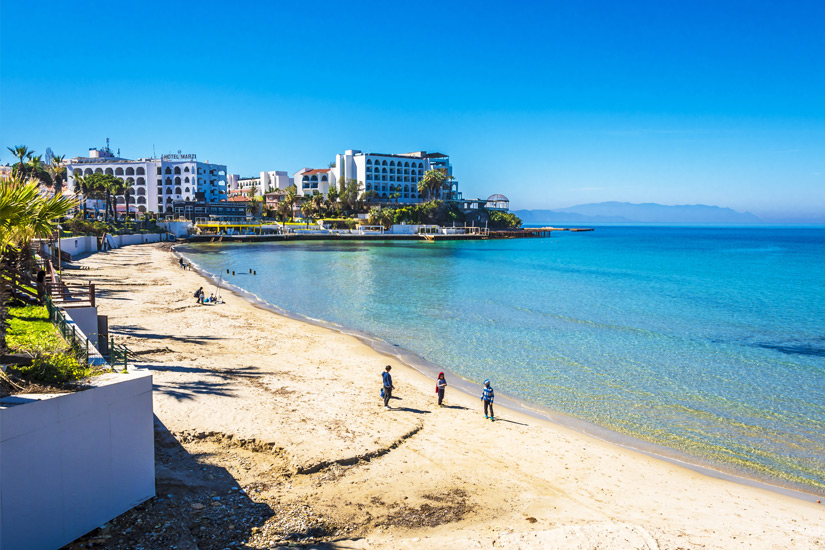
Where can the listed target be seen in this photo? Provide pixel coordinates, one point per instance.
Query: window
(130, 171)
(168, 170)
(119, 171)
(141, 171)
(177, 169)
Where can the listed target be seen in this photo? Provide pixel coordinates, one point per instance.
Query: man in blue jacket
(388, 387)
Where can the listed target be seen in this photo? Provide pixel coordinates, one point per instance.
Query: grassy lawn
(53, 363)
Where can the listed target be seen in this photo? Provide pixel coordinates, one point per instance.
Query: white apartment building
(156, 182)
(313, 180)
(387, 174)
(275, 180)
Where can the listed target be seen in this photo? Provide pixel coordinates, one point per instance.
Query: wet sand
(302, 404)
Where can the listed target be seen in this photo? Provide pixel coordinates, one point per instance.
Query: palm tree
(80, 189)
(58, 173)
(22, 153)
(125, 189)
(432, 182)
(290, 198)
(37, 170)
(25, 214)
(318, 202)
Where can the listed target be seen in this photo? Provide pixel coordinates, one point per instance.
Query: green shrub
(52, 369)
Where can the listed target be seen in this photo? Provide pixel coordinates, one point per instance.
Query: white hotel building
(156, 183)
(274, 180)
(391, 173)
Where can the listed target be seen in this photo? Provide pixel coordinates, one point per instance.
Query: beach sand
(291, 413)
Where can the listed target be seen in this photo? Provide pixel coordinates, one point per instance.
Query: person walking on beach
(488, 396)
(440, 385)
(182, 265)
(388, 387)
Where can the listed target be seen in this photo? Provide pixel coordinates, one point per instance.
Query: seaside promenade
(282, 423)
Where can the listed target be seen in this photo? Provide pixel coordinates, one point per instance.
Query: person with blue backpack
(487, 397)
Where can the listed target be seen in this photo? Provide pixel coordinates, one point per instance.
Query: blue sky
(552, 104)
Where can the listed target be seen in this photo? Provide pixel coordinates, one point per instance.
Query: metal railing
(115, 355)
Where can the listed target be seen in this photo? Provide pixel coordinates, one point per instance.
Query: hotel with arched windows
(393, 176)
(155, 184)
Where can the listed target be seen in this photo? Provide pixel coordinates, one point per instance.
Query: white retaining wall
(71, 462)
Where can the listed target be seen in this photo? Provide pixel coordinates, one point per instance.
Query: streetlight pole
(59, 250)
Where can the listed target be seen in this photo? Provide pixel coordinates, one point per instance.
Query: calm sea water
(708, 341)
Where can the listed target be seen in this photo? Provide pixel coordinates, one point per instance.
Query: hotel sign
(180, 155)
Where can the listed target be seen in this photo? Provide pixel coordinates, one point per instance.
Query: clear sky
(551, 103)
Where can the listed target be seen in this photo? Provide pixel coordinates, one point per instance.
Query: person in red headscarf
(440, 385)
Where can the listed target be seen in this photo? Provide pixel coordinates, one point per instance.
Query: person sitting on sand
(440, 386)
(388, 387)
(488, 396)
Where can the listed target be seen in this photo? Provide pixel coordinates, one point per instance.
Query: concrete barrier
(71, 462)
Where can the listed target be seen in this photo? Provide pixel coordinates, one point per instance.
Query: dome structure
(497, 202)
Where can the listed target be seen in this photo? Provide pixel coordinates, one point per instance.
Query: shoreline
(290, 412)
(514, 404)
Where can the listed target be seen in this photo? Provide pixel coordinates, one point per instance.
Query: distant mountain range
(625, 212)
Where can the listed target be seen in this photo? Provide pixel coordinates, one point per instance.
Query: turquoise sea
(707, 343)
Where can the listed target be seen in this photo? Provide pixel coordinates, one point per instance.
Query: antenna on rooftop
(107, 146)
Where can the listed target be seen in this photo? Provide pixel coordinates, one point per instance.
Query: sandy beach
(290, 413)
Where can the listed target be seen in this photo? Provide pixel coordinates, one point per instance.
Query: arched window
(98, 171)
(369, 161)
(177, 181)
(406, 164)
(141, 171)
(77, 172)
(109, 171)
(141, 191)
(392, 163)
(177, 169)
(168, 170)
(186, 179)
(186, 190)
(186, 169)
(168, 190)
(130, 171)
(168, 181)
(120, 200)
(142, 209)
(130, 181)
(177, 190)
(141, 181)
(324, 179)
(88, 171)
(384, 163)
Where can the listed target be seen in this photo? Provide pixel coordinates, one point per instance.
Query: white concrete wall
(79, 245)
(86, 320)
(72, 462)
(178, 229)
